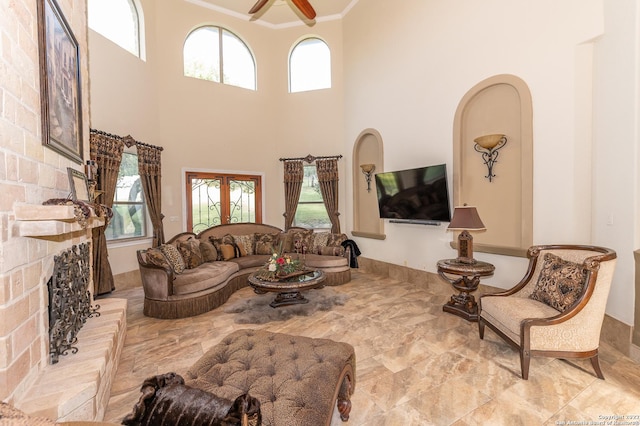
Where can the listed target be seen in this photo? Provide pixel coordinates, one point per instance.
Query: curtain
(106, 151)
(327, 170)
(151, 179)
(293, 175)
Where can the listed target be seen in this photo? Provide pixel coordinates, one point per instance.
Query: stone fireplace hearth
(77, 387)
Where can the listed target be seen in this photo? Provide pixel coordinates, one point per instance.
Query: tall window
(117, 20)
(217, 198)
(311, 212)
(310, 66)
(129, 211)
(215, 54)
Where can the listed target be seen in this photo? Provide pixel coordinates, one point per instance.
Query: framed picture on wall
(79, 185)
(60, 89)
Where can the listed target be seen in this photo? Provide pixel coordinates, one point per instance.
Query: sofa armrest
(157, 281)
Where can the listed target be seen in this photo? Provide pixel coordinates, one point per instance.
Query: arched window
(216, 54)
(309, 66)
(119, 21)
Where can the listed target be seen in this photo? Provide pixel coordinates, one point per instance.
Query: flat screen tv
(414, 195)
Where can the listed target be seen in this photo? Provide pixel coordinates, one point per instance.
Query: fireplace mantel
(35, 220)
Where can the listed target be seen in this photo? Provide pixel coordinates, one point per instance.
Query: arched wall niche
(368, 149)
(498, 105)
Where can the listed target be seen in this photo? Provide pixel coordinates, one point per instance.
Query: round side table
(466, 278)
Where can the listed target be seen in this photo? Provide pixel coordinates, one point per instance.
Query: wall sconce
(367, 170)
(465, 218)
(488, 146)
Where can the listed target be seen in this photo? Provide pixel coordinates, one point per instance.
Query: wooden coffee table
(288, 289)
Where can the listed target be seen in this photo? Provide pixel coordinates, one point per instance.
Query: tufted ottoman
(296, 379)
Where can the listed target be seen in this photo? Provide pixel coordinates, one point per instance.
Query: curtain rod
(128, 140)
(310, 158)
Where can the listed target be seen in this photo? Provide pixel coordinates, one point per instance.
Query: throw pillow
(266, 243)
(336, 240)
(190, 252)
(246, 243)
(302, 240)
(217, 241)
(560, 283)
(166, 400)
(319, 240)
(173, 256)
(285, 240)
(208, 251)
(331, 251)
(154, 256)
(227, 251)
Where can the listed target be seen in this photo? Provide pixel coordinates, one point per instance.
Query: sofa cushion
(302, 240)
(208, 250)
(266, 243)
(204, 277)
(560, 283)
(154, 256)
(217, 241)
(252, 261)
(174, 257)
(228, 251)
(327, 263)
(246, 242)
(190, 252)
(331, 251)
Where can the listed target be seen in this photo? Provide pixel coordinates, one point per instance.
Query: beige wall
(408, 64)
(29, 173)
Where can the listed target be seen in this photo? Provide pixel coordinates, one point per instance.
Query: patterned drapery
(328, 178)
(149, 168)
(106, 151)
(293, 175)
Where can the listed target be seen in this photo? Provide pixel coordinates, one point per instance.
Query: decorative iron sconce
(367, 170)
(488, 146)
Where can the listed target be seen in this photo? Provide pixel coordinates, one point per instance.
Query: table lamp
(465, 219)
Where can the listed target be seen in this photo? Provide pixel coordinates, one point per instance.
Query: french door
(218, 198)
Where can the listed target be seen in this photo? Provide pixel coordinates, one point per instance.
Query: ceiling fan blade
(306, 8)
(259, 5)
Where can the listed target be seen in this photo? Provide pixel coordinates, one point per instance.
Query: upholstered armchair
(557, 309)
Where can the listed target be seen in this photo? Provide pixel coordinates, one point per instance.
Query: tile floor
(416, 365)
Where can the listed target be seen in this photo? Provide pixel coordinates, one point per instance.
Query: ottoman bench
(296, 379)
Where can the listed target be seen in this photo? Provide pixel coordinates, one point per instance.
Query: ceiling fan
(303, 5)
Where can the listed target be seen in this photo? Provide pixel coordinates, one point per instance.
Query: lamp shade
(466, 217)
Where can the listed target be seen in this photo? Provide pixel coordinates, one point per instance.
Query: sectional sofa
(195, 273)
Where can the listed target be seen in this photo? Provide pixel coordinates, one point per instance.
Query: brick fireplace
(77, 386)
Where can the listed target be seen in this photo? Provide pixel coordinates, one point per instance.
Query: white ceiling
(279, 13)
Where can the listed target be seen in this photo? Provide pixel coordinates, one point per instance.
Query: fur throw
(166, 400)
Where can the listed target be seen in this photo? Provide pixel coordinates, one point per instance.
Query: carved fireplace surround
(77, 386)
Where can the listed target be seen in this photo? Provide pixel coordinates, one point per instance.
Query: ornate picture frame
(60, 88)
(79, 185)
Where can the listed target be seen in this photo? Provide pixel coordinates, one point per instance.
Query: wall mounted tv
(415, 195)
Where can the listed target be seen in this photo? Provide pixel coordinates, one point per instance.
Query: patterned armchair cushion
(190, 252)
(560, 283)
(174, 257)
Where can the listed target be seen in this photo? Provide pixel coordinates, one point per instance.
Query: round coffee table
(288, 289)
